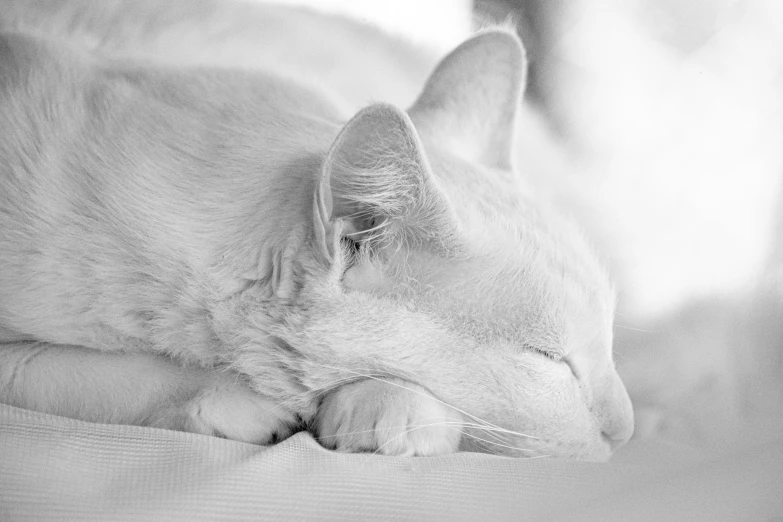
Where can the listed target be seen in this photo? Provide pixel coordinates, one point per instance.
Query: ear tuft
(376, 175)
(471, 100)
(376, 165)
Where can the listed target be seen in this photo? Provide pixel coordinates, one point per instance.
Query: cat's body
(388, 282)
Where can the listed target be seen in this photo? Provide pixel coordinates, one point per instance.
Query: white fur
(201, 214)
(389, 417)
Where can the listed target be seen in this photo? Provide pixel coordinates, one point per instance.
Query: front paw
(225, 407)
(390, 417)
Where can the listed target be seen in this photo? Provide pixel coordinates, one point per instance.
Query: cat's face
(433, 264)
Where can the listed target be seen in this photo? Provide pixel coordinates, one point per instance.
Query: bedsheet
(54, 468)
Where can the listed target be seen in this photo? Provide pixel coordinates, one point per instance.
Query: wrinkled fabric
(53, 468)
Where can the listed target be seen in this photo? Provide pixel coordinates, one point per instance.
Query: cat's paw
(391, 417)
(225, 407)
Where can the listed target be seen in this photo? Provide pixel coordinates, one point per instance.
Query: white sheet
(57, 468)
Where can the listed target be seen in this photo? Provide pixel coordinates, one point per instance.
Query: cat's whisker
(388, 428)
(473, 425)
(495, 429)
(492, 443)
(499, 438)
(484, 422)
(409, 430)
(483, 448)
(393, 439)
(488, 432)
(476, 437)
(315, 392)
(330, 386)
(308, 395)
(634, 328)
(495, 432)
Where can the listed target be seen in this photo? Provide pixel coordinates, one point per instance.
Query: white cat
(215, 250)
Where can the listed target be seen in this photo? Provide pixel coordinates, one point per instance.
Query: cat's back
(96, 149)
(237, 34)
(29, 65)
(39, 102)
(55, 94)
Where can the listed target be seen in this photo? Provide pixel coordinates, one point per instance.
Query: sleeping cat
(217, 250)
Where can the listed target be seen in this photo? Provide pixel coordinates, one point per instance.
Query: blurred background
(658, 124)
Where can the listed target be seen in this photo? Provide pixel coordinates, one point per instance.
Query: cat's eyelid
(550, 354)
(555, 356)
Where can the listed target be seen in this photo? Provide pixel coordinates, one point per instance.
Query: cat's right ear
(376, 181)
(471, 101)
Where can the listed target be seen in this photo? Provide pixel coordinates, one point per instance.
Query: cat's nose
(614, 440)
(616, 414)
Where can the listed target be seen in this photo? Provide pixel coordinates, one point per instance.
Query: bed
(54, 468)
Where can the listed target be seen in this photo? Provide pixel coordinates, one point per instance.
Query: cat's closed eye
(558, 358)
(555, 356)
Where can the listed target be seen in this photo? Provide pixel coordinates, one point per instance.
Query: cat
(215, 249)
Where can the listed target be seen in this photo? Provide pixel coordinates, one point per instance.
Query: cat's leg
(137, 388)
(390, 417)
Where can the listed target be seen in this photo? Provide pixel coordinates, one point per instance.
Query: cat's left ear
(376, 182)
(471, 100)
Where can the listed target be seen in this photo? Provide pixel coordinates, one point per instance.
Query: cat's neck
(190, 184)
(251, 158)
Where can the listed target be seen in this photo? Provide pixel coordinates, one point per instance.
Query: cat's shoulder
(37, 64)
(20, 52)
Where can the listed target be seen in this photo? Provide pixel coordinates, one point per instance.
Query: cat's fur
(192, 234)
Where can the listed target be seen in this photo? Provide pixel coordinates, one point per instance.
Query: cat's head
(434, 262)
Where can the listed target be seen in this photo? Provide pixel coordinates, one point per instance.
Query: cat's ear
(471, 100)
(376, 180)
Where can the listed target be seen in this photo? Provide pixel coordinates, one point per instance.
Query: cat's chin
(602, 453)
(599, 451)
